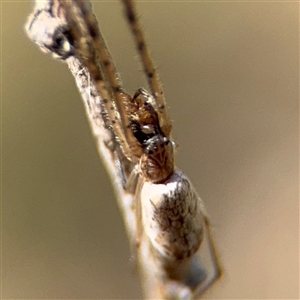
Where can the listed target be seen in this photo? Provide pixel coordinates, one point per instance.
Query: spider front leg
(144, 93)
(148, 66)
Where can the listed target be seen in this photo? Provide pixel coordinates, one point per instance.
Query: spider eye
(150, 152)
(148, 129)
(166, 141)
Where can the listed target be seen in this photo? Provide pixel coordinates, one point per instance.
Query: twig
(48, 31)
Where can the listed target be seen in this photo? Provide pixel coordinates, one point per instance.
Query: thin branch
(50, 32)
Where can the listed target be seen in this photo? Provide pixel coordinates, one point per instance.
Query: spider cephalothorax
(156, 161)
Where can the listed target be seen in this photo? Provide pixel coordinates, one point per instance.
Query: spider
(171, 220)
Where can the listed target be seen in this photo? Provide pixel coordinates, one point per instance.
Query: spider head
(155, 153)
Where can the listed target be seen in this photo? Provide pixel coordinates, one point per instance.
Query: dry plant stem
(108, 149)
(43, 27)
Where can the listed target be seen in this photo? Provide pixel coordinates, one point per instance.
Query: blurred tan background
(230, 73)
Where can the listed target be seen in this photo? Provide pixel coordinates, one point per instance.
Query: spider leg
(93, 51)
(216, 264)
(143, 92)
(149, 68)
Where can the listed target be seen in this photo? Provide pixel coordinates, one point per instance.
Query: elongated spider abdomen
(172, 216)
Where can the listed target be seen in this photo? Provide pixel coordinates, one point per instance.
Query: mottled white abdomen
(172, 217)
